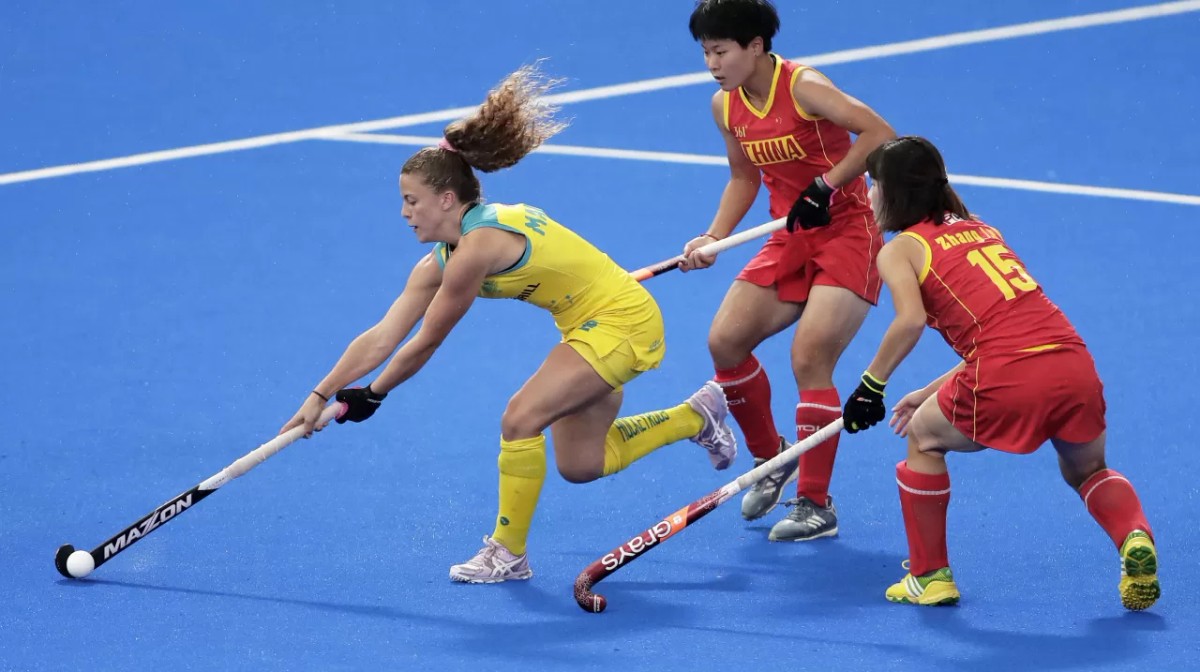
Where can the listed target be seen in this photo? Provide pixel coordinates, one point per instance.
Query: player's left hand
(307, 417)
(812, 208)
(865, 408)
(692, 258)
(361, 403)
(905, 409)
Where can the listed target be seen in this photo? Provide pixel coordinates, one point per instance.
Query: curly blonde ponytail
(513, 121)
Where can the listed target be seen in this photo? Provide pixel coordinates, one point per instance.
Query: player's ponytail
(913, 182)
(513, 120)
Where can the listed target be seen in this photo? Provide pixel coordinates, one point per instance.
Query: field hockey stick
(81, 565)
(711, 249)
(674, 523)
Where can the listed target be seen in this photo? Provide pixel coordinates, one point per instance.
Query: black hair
(737, 20)
(912, 179)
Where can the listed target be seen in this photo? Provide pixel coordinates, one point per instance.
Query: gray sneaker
(492, 564)
(765, 494)
(806, 521)
(716, 436)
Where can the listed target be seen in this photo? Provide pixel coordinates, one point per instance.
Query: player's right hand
(905, 409)
(811, 210)
(307, 416)
(693, 259)
(361, 403)
(864, 409)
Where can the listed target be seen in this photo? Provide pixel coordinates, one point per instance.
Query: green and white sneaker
(1139, 572)
(933, 589)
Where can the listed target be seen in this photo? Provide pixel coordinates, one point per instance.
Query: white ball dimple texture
(80, 564)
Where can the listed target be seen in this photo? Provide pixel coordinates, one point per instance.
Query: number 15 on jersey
(1003, 269)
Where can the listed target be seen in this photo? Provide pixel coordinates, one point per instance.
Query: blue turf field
(164, 318)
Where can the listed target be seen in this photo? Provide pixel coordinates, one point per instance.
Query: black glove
(812, 208)
(864, 408)
(361, 403)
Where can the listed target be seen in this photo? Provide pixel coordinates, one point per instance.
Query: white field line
(657, 84)
(720, 160)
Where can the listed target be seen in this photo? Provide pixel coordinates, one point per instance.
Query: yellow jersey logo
(773, 150)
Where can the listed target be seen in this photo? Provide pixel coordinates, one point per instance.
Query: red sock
(749, 395)
(816, 409)
(924, 499)
(1111, 500)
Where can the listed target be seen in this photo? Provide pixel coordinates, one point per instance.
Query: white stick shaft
(257, 456)
(711, 249)
(718, 246)
(790, 455)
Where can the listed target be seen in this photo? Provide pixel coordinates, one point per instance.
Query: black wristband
(323, 397)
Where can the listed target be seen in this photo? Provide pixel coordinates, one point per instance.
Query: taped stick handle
(259, 455)
(711, 249)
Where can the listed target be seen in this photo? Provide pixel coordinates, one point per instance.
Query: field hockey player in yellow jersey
(612, 330)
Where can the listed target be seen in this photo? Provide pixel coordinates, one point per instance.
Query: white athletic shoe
(492, 564)
(717, 436)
